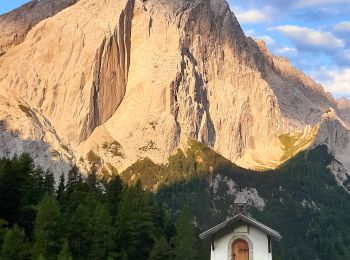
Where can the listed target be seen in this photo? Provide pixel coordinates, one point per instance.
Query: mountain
(18, 23)
(107, 83)
(344, 107)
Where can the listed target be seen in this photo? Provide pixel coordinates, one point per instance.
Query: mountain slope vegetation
(109, 219)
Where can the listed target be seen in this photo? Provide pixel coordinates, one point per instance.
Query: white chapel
(241, 237)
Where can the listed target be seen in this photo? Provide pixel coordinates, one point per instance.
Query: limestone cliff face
(344, 109)
(16, 24)
(137, 78)
(335, 134)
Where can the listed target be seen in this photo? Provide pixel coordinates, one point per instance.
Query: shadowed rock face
(344, 108)
(16, 24)
(111, 69)
(148, 75)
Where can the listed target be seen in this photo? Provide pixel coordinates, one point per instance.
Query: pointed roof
(248, 220)
(240, 199)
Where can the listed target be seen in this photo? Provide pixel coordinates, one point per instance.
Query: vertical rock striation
(146, 75)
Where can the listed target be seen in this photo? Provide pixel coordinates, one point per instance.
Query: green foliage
(86, 218)
(64, 253)
(61, 187)
(14, 246)
(46, 229)
(295, 142)
(161, 250)
(89, 218)
(303, 202)
(186, 239)
(136, 228)
(181, 167)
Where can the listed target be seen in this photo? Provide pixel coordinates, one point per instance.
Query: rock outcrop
(344, 108)
(16, 24)
(130, 79)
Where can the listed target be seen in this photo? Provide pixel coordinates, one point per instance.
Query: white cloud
(342, 26)
(335, 81)
(267, 39)
(286, 51)
(308, 38)
(311, 3)
(251, 15)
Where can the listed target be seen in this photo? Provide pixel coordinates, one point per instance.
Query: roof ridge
(275, 234)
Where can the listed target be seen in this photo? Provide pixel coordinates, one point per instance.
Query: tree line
(86, 218)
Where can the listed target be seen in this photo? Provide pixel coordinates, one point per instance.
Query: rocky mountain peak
(124, 80)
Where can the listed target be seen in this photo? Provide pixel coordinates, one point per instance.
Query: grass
(293, 143)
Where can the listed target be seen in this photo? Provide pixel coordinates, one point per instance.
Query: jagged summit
(128, 79)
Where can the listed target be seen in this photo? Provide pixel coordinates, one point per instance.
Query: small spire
(240, 204)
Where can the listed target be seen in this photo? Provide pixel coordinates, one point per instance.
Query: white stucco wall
(256, 239)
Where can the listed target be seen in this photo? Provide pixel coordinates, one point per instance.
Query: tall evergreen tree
(46, 229)
(64, 253)
(11, 183)
(136, 230)
(186, 241)
(161, 250)
(114, 188)
(14, 246)
(74, 179)
(76, 229)
(61, 187)
(49, 183)
(100, 233)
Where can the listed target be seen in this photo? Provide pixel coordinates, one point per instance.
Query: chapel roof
(241, 218)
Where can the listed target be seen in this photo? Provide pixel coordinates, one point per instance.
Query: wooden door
(240, 250)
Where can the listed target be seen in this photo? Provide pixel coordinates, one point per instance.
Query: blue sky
(313, 34)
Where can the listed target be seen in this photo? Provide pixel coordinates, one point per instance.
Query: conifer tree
(100, 233)
(46, 229)
(74, 179)
(61, 187)
(49, 183)
(135, 227)
(186, 241)
(14, 246)
(64, 253)
(161, 250)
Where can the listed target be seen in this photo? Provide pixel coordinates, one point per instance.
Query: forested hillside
(91, 218)
(85, 218)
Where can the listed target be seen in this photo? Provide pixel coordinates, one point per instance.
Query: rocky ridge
(131, 79)
(16, 24)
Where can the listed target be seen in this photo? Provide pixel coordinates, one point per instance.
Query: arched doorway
(240, 250)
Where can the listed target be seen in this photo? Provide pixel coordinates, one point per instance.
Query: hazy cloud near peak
(312, 3)
(308, 38)
(313, 34)
(252, 15)
(336, 81)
